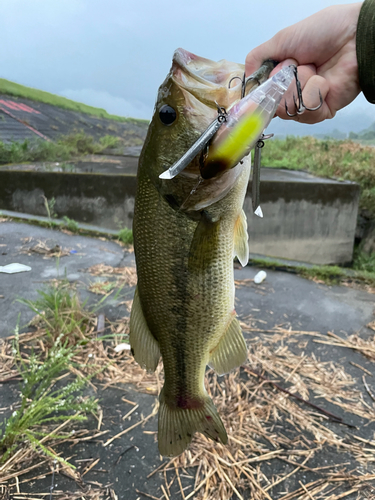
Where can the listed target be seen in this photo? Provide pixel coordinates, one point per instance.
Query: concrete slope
(24, 119)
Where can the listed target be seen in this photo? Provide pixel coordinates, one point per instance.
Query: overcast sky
(115, 53)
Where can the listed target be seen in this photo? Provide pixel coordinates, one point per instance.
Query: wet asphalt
(283, 299)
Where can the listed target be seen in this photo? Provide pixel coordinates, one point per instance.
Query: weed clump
(59, 311)
(328, 274)
(43, 402)
(109, 141)
(126, 236)
(64, 149)
(80, 143)
(363, 261)
(71, 224)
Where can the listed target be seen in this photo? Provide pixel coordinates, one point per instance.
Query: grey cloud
(121, 50)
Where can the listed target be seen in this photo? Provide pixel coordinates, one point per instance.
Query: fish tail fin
(178, 425)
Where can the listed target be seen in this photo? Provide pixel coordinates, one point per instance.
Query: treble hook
(243, 84)
(301, 107)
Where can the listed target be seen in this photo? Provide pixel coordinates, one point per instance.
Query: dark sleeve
(365, 41)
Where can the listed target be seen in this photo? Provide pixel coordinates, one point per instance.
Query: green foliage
(64, 149)
(363, 261)
(42, 401)
(109, 141)
(50, 209)
(79, 143)
(71, 224)
(331, 275)
(16, 90)
(328, 274)
(343, 160)
(36, 150)
(59, 310)
(126, 236)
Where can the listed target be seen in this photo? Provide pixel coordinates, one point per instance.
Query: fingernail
(289, 62)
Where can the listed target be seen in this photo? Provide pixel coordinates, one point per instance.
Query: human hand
(323, 47)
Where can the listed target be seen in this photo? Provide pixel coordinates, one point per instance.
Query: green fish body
(186, 233)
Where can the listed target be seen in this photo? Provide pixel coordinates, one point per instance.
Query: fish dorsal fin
(144, 345)
(241, 245)
(231, 350)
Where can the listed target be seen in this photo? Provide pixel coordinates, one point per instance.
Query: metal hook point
(298, 102)
(317, 107)
(287, 109)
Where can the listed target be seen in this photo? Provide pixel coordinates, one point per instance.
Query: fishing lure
(235, 131)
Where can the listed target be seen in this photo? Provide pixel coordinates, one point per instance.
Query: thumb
(255, 57)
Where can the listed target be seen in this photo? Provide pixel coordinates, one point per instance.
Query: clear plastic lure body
(235, 133)
(245, 123)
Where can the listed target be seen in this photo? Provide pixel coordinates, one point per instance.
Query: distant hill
(357, 117)
(27, 113)
(368, 134)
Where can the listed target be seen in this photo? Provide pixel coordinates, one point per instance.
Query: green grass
(64, 149)
(343, 160)
(328, 274)
(363, 261)
(42, 403)
(109, 141)
(17, 90)
(71, 224)
(126, 236)
(331, 275)
(51, 393)
(65, 329)
(59, 311)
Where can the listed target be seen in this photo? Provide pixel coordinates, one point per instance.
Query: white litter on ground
(259, 277)
(122, 347)
(14, 268)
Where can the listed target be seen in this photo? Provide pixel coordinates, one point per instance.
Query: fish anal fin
(144, 345)
(241, 244)
(177, 426)
(231, 351)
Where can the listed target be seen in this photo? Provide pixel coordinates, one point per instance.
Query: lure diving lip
(233, 136)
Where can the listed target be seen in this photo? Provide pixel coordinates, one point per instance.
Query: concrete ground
(283, 299)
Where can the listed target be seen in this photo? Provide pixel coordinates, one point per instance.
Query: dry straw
(275, 412)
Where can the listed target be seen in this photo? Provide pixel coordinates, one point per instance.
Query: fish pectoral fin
(177, 426)
(231, 351)
(204, 244)
(241, 244)
(144, 345)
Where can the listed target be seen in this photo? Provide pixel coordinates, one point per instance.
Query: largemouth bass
(186, 232)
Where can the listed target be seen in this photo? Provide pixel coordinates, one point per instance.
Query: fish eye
(167, 114)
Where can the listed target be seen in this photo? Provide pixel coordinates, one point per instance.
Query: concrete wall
(102, 200)
(305, 218)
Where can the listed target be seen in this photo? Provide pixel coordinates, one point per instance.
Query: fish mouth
(208, 81)
(204, 70)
